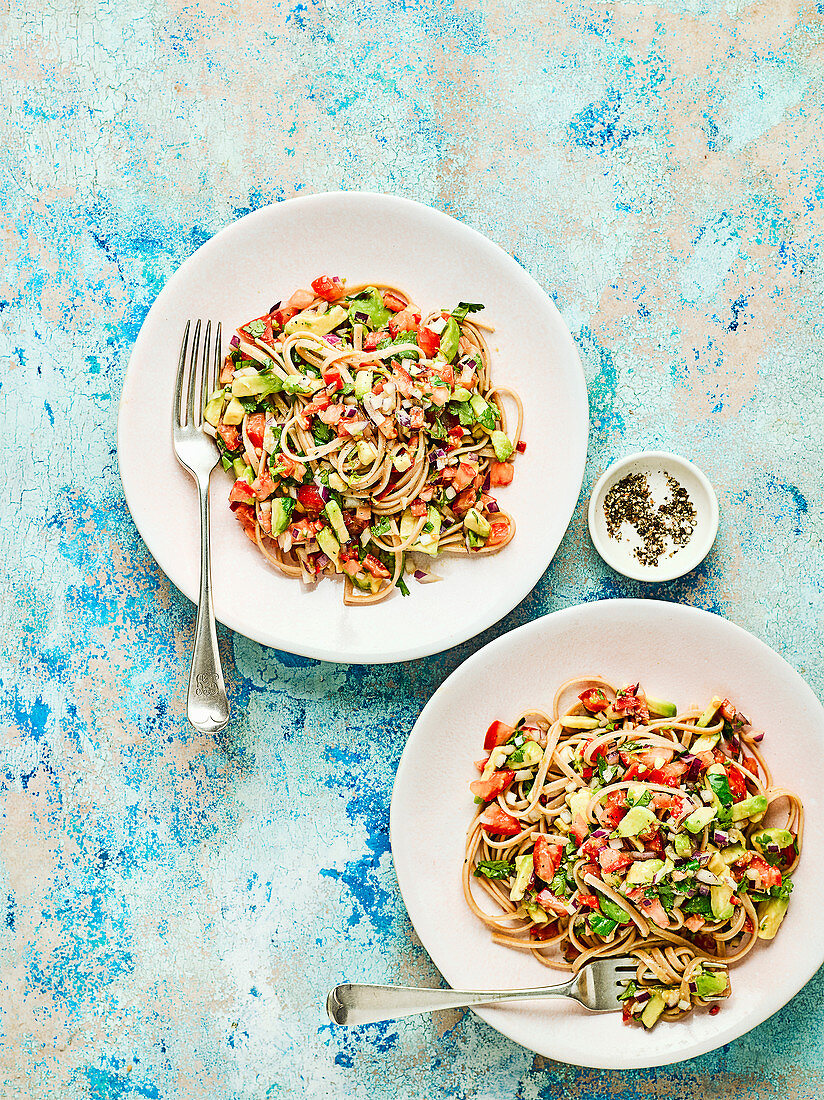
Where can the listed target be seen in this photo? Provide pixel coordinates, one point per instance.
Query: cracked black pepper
(630, 501)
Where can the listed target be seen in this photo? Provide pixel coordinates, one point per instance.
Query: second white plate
(678, 653)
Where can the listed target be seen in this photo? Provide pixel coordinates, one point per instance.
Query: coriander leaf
(720, 787)
(602, 926)
(461, 310)
(494, 868)
(630, 989)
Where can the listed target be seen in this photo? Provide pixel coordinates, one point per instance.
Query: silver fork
(207, 707)
(596, 986)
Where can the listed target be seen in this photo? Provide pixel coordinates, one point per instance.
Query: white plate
(678, 653)
(237, 275)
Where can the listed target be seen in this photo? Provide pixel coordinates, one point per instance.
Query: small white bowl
(620, 553)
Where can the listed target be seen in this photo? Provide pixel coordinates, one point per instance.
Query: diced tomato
(592, 846)
(301, 299)
(255, 427)
(672, 802)
(694, 922)
(463, 476)
(497, 734)
(227, 370)
(282, 315)
(546, 858)
(650, 907)
(579, 828)
(612, 861)
(265, 521)
(418, 508)
(497, 821)
(464, 501)
(467, 376)
(490, 788)
(263, 485)
(241, 492)
(331, 415)
(290, 467)
(614, 808)
(520, 446)
(544, 931)
(445, 371)
(763, 874)
(588, 901)
(738, 786)
(728, 711)
(632, 701)
(501, 473)
(403, 321)
(499, 532)
(332, 378)
(309, 497)
(375, 566)
(594, 700)
(403, 380)
(267, 336)
(626, 1012)
(751, 764)
(392, 301)
(245, 514)
(416, 417)
(428, 341)
(373, 339)
(481, 764)
(329, 287)
(547, 900)
(230, 436)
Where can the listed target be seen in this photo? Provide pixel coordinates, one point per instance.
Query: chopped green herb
(494, 868)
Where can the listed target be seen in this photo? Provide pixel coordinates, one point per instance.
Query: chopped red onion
(235, 341)
(419, 574)
(361, 318)
(704, 858)
(721, 838)
(772, 848)
(703, 890)
(485, 486)
(600, 832)
(333, 339)
(693, 987)
(612, 757)
(758, 737)
(321, 561)
(274, 307)
(642, 997)
(694, 767)
(492, 507)
(403, 418)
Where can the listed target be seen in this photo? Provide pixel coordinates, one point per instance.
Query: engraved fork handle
(369, 1004)
(207, 707)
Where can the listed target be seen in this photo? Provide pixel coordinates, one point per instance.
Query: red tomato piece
(490, 788)
(501, 473)
(546, 858)
(614, 808)
(592, 846)
(332, 378)
(495, 820)
(241, 492)
(255, 426)
(499, 532)
(282, 315)
(309, 497)
(403, 321)
(497, 734)
(589, 900)
(329, 287)
(245, 514)
(428, 341)
(375, 566)
(230, 435)
(392, 301)
(267, 336)
(263, 486)
(594, 700)
(612, 861)
(547, 900)
(463, 477)
(520, 446)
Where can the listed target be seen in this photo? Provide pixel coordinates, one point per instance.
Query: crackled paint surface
(174, 907)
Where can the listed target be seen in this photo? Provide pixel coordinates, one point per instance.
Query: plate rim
(500, 1023)
(528, 578)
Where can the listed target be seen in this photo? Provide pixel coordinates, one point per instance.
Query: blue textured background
(164, 931)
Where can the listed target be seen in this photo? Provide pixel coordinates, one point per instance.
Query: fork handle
(369, 1004)
(207, 707)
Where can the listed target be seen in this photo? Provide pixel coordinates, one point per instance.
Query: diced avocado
(366, 452)
(705, 743)
(474, 521)
(653, 1009)
(234, 412)
(213, 408)
(770, 915)
(243, 470)
(660, 708)
(328, 544)
(365, 583)
(529, 754)
(460, 394)
(754, 806)
(711, 711)
(483, 412)
(722, 907)
(319, 323)
(613, 911)
(538, 914)
(450, 338)
(777, 838)
(638, 820)
(281, 514)
(643, 871)
(503, 447)
(300, 383)
(523, 869)
(368, 303)
(579, 722)
(730, 854)
(335, 517)
(682, 845)
(255, 384)
(407, 524)
(427, 541)
(364, 380)
(699, 819)
(579, 802)
(711, 983)
(716, 864)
